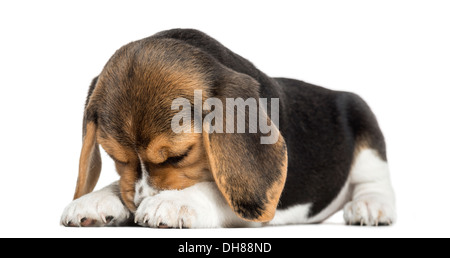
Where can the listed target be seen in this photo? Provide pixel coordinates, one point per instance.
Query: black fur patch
(321, 127)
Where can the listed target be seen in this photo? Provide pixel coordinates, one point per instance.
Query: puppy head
(129, 113)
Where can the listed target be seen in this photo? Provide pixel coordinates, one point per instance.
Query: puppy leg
(373, 201)
(97, 209)
(198, 206)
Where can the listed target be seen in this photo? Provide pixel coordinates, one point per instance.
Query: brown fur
(129, 113)
(90, 163)
(192, 169)
(250, 175)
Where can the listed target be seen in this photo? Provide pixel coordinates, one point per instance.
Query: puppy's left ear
(90, 159)
(250, 175)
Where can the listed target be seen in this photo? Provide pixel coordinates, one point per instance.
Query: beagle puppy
(328, 152)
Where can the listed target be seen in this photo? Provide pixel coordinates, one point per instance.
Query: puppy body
(331, 151)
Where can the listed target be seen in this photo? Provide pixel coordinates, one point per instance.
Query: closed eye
(118, 161)
(177, 159)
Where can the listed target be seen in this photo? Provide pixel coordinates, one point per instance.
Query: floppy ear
(90, 160)
(249, 174)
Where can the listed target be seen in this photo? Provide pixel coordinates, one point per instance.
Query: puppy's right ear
(90, 160)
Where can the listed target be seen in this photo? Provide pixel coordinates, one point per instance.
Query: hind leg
(373, 200)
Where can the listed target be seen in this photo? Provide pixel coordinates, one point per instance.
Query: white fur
(97, 206)
(142, 188)
(198, 206)
(298, 214)
(368, 192)
(373, 200)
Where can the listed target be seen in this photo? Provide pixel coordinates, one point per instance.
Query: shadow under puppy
(328, 154)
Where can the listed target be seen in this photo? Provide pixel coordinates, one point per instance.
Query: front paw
(97, 209)
(166, 210)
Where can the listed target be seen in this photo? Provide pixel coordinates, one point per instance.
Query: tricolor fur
(330, 153)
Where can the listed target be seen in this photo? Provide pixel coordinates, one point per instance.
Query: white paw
(165, 213)
(97, 209)
(188, 208)
(369, 211)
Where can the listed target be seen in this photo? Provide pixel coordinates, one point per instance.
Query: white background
(395, 54)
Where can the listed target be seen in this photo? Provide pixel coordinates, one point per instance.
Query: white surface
(395, 54)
